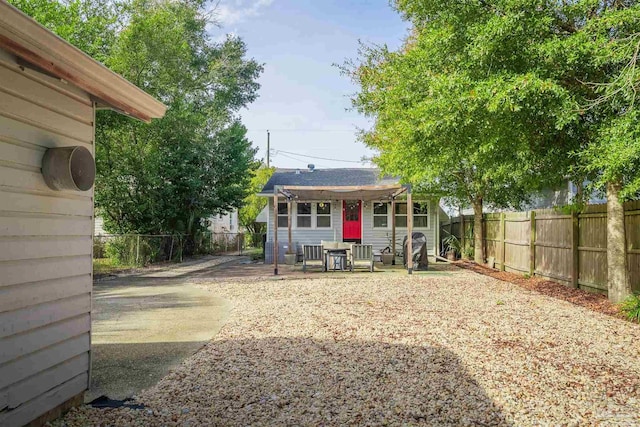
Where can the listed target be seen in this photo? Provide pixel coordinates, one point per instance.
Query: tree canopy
(254, 204)
(487, 102)
(464, 108)
(171, 175)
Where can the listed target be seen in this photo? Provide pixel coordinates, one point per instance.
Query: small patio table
(338, 258)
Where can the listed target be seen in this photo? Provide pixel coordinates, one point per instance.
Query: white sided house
(49, 92)
(344, 205)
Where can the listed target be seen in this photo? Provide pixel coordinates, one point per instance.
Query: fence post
(171, 249)
(503, 244)
(575, 251)
(532, 243)
(462, 235)
(138, 251)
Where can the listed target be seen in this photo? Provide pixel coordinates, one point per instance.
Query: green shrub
(150, 250)
(98, 248)
(631, 308)
(452, 243)
(121, 250)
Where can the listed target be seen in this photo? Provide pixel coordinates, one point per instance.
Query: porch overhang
(362, 192)
(322, 193)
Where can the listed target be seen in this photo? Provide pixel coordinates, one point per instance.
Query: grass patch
(631, 308)
(254, 253)
(108, 265)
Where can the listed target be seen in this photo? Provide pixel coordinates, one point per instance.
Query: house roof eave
(25, 38)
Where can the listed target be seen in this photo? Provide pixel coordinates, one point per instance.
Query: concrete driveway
(144, 325)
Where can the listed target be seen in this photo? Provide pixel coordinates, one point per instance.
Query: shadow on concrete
(144, 327)
(120, 371)
(303, 381)
(132, 302)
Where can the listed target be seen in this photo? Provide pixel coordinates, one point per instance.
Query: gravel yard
(453, 348)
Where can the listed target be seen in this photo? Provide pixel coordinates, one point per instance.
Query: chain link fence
(137, 250)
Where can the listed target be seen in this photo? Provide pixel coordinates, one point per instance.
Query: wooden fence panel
(493, 238)
(556, 244)
(593, 250)
(516, 245)
(632, 226)
(553, 258)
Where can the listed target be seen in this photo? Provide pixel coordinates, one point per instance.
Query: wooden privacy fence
(568, 248)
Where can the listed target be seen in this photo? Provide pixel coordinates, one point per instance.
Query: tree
(254, 204)
(595, 55)
(90, 25)
(168, 176)
(173, 174)
(463, 108)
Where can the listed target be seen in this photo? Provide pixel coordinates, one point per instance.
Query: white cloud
(230, 12)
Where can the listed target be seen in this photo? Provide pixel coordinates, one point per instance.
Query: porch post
(290, 251)
(409, 230)
(336, 204)
(393, 230)
(275, 231)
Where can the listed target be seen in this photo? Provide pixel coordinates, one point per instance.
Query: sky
(303, 99)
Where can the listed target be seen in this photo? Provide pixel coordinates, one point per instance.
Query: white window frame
(314, 216)
(309, 215)
(421, 202)
(374, 215)
(279, 215)
(314, 210)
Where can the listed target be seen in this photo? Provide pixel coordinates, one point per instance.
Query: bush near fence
(568, 248)
(144, 249)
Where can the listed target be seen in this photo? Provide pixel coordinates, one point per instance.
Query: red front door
(352, 221)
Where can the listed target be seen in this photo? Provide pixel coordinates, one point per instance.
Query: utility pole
(268, 146)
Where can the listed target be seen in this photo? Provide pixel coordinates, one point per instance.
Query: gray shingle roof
(339, 177)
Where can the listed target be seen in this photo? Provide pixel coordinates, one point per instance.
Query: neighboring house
(49, 92)
(98, 227)
(346, 205)
(546, 199)
(225, 223)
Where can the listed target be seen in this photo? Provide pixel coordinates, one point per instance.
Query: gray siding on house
(309, 236)
(380, 238)
(376, 237)
(304, 236)
(45, 247)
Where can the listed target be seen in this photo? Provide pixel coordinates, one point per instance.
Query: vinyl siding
(380, 238)
(376, 237)
(303, 236)
(45, 247)
(309, 236)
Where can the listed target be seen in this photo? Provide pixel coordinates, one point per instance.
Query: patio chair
(362, 253)
(312, 253)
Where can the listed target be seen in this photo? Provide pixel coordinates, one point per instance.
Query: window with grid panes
(380, 217)
(303, 211)
(420, 215)
(323, 215)
(283, 221)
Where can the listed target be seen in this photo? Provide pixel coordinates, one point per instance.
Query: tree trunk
(619, 287)
(478, 232)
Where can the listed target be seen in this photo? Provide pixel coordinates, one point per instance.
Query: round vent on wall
(69, 168)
